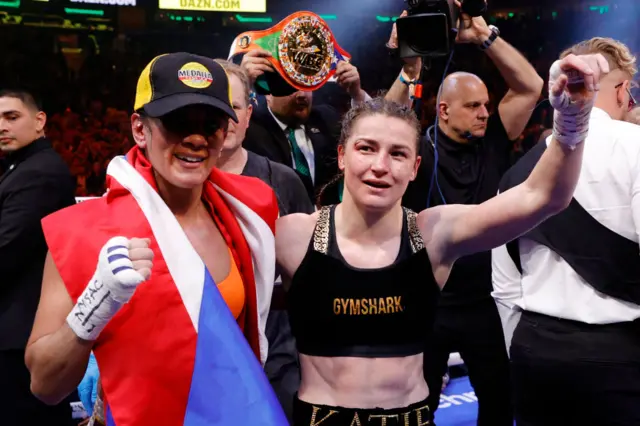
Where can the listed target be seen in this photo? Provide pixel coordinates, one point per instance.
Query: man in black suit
(292, 131)
(36, 183)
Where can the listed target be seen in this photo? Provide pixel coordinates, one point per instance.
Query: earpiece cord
(434, 176)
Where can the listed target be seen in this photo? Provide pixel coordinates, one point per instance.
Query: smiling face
(379, 159)
(182, 146)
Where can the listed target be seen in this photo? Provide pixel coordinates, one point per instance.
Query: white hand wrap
(112, 285)
(570, 119)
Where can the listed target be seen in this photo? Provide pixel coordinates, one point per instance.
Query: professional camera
(429, 29)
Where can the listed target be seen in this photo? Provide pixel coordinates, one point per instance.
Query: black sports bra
(338, 310)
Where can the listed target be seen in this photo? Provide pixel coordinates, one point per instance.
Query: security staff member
(474, 150)
(577, 343)
(37, 182)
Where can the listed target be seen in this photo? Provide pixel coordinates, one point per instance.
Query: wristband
(495, 33)
(405, 80)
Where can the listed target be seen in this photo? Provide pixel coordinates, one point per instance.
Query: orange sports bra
(232, 289)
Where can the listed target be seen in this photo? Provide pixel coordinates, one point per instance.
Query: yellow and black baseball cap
(176, 80)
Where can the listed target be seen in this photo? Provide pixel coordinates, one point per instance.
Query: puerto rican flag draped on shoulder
(174, 355)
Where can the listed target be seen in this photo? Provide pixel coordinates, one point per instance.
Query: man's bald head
(462, 106)
(457, 81)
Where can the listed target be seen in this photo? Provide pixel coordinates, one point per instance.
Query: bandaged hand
(123, 264)
(573, 84)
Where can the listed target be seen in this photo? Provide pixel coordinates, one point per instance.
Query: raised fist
(573, 85)
(574, 81)
(123, 264)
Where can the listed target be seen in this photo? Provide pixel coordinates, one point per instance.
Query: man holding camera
(473, 151)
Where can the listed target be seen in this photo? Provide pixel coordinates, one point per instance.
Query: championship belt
(303, 50)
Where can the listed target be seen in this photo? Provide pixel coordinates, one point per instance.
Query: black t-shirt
(467, 174)
(290, 191)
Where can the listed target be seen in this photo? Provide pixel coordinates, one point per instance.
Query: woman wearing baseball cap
(176, 307)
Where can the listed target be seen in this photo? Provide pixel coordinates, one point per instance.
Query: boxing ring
(458, 404)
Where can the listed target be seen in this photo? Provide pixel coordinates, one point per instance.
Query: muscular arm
(399, 92)
(55, 356)
(525, 86)
(462, 230)
(455, 231)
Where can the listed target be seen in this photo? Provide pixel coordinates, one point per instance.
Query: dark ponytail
(325, 195)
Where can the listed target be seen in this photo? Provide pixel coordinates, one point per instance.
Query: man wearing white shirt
(575, 279)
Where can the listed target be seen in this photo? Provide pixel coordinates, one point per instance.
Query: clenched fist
(141, 256)
(573, 85)
(123, 264)
(574, 80)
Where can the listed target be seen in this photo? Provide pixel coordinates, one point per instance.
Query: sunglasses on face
(632, 100)
(193, 121)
